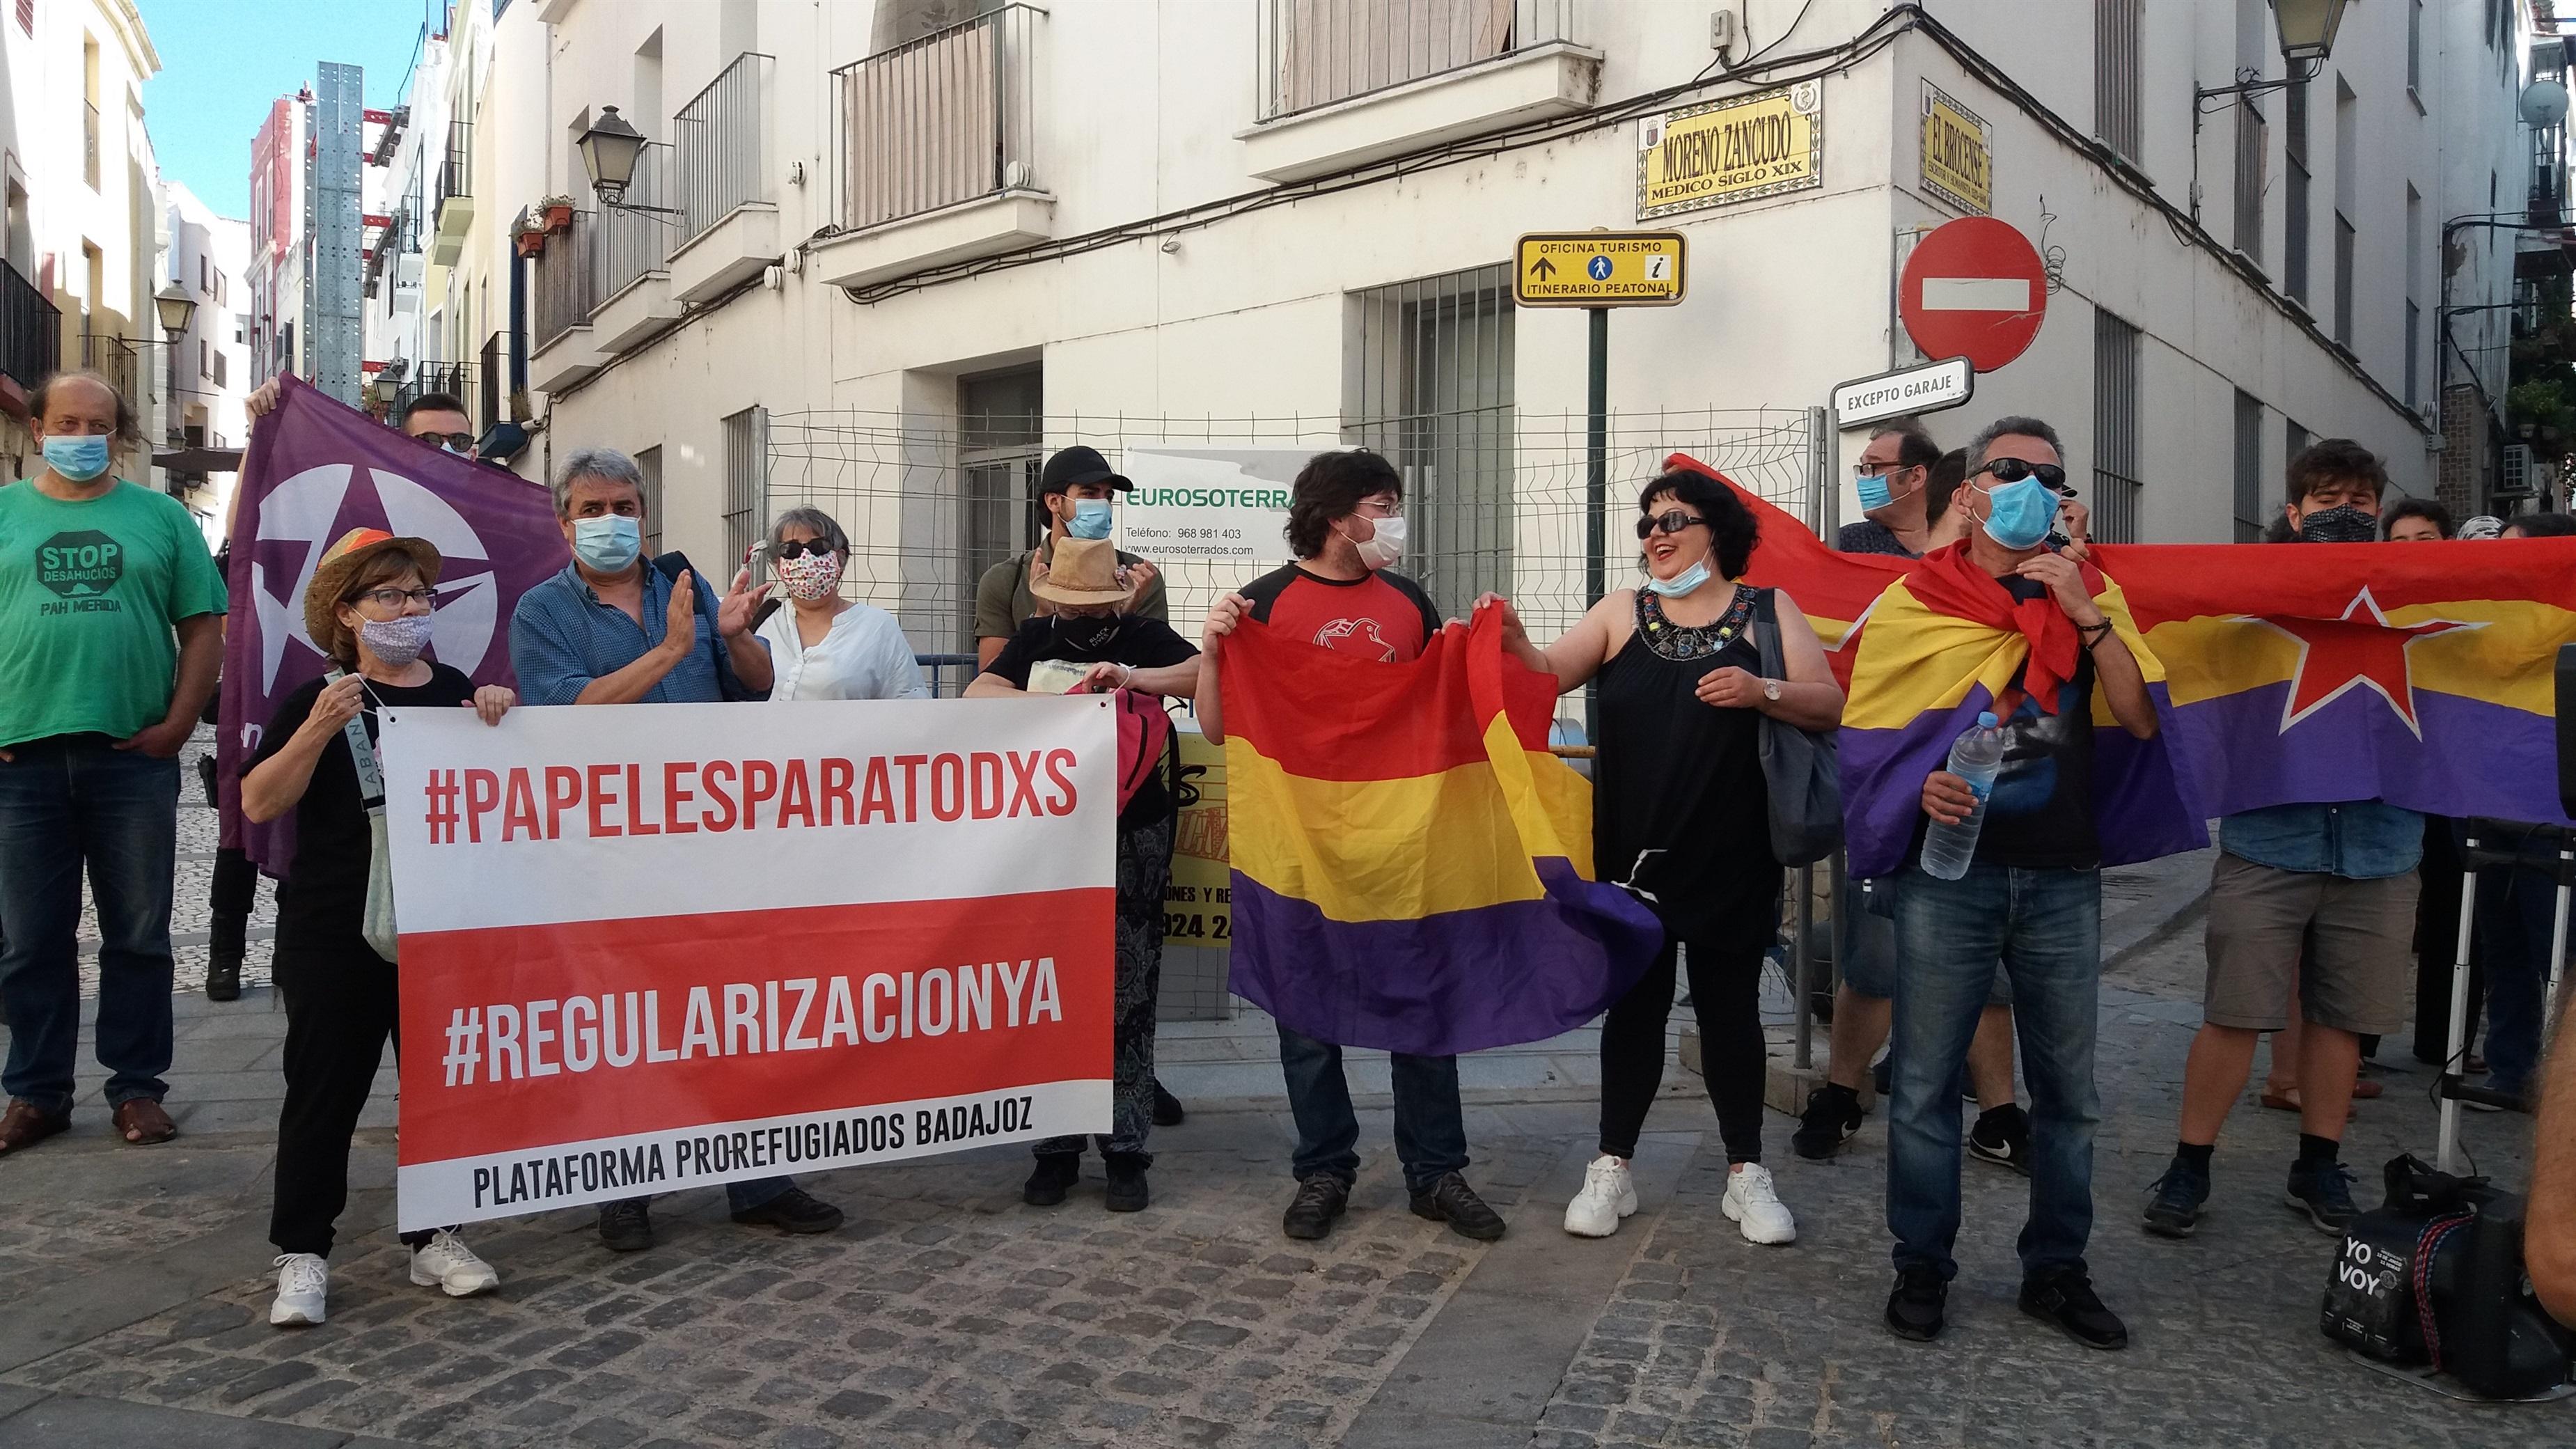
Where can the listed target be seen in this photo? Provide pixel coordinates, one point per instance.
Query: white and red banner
(656, 947)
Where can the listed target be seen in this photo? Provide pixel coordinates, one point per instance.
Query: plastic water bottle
(1947, 849)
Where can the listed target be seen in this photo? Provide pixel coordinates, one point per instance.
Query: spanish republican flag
(1412, 867)
(2420, 674)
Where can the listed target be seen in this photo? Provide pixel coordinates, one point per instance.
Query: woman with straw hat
(1086, 645)
(369, 608)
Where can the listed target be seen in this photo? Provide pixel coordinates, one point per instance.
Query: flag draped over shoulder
(1412, 868)
(316, 469)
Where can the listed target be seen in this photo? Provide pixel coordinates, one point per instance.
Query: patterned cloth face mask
(810, 576)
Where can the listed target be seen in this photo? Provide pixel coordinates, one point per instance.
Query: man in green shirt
(111, 633)
(1074, 489)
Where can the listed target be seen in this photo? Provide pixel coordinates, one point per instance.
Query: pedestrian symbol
(1598, 269)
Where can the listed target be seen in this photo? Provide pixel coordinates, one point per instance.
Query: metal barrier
(115, 359)
(942, 120)
(456, 171)
(949, 674)
(722, 146)
(31, 329)
(567, 279)
(635, 244)
(1314, 52)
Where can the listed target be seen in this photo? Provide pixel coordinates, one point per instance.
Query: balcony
(566, 279)
(635, 300)
(938, 152)
(1347, 82)
(31, 337)
(455, 203)
(115, 359)
(729, 214)
(452, 379)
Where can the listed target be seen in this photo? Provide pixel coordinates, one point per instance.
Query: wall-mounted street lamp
(609, 150)
(176, 308)
(2307, 30)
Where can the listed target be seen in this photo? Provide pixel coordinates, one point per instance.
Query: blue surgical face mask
(2019, 514)
(77, 457)
(1090, 519)
(1682, 583)
(607, 543)
(1873, 492)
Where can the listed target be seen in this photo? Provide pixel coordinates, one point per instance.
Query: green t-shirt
(88, 594)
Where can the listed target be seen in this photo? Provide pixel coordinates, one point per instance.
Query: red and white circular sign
(1975, 288)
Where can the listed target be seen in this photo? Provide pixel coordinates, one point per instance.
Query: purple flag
(316, 469)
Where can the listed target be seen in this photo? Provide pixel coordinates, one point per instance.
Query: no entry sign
(1975, 288)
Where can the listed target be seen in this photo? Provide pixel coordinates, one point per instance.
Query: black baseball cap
(1079, 465)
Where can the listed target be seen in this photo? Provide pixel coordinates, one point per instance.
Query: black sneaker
(2002, 1137)
(1168, 1111)
(2173, 1204)
(2324, 1192)
(1319, 1200)
(1450, 1200)
(793, 1211)
(223, 976)
(1056, 1174)
(626, 1227)
(2066, 1300)
(1914, 1308)
(1127, 1181)
(1833, 1114)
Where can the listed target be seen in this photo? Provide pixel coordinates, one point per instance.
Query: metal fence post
(1822, 506)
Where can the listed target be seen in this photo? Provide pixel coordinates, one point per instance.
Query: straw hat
(1083, 571)
(341, 562)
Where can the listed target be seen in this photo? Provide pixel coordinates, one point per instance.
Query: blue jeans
(66, 803)
(1430, 1133)
(2517, 911)
(2046, 926)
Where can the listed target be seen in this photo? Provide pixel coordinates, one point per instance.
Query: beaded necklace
(1680, 642)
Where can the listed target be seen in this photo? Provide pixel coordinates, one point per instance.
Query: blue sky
(224, 61)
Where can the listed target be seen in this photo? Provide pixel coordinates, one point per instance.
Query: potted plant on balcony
(557, 211)
(528, 232)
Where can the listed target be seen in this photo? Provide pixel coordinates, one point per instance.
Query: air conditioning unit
(2517, 479)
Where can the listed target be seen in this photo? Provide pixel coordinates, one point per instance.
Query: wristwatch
(1771, 690)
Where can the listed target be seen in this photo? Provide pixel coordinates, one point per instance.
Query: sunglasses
(1673, 522)
(2013, 470)
(799, 547)
(453, 442)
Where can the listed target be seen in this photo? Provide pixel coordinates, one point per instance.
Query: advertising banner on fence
(1198, 907)
(1209, 504)
(668, 946)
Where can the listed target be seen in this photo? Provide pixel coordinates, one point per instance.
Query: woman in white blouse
(824, 646)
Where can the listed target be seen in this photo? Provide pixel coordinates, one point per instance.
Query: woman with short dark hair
(1681, 812)
(821, 645)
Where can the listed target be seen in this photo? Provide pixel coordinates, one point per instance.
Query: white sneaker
(445, 1262)
(1756, 1208)
(1608, 1195)
(303, 1282)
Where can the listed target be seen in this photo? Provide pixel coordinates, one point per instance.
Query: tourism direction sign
(1905, 392)
(1599, 269)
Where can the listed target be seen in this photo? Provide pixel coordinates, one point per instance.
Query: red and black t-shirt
(1384, 616)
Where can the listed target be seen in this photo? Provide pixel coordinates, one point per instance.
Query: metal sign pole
(1596, 492)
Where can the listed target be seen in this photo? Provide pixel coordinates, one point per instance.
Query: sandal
(2289, 1101)
(27, 1124)
(141, 1123)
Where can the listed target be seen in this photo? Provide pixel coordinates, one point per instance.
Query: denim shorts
(1865, 944)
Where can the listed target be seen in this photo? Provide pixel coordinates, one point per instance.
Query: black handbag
(728, 682)
(1802, 768)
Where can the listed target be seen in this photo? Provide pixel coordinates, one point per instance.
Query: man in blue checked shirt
(616, 628)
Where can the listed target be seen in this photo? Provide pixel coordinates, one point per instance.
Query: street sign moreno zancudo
(1904, 392)
(1599, 269)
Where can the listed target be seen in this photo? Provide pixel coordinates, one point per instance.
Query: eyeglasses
(397, 598)
(1673, 522)
(453, 442)
(1379, 510)
(799, 547)
(1867, 469)
(2013, 470)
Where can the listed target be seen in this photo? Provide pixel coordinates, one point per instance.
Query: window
(2414, 45)
(2414, 308)
(746, 437)
(2115, 75)
(89, 113)
(2294, 441)
(1431, 388)
(2294, 201)
(491, 380)
(2347, 203)
(27, 16)
(2115, 429)
(2249, 468)
(2344, 243)
(1315, 52)
(1001, 417)
(2253, 133)
(649, 463)
(205, 366)
(205, 283)
(219, 369)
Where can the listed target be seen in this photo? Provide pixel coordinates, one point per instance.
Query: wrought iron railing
(567, 279)
(635, 243)
(31, 329)
(1315, 52)
(456, 171)
(721, 137)
(115, 359)
(453, 379)
(945, 119)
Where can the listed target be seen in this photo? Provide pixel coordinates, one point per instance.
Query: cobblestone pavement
(948, 1313)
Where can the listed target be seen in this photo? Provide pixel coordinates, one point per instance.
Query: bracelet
(2093, 634)
(1129, 679)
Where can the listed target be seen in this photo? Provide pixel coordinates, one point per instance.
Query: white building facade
(208, 365)
(902, 249)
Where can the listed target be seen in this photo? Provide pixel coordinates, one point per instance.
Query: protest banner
(654, 948)
(1198, 908)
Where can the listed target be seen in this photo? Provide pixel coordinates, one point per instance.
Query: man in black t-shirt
(2032, 895)
(1087, 645)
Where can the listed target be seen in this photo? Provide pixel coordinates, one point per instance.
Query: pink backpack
(1144, 737)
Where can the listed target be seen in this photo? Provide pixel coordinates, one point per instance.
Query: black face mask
(2342, 523)
(1090, 634)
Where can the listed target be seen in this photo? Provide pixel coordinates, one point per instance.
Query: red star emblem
(2361, 650)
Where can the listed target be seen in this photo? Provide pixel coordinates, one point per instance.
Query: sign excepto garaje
(1599, 269)
(1738, 149)
(1905, 392)
(1958, 153)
